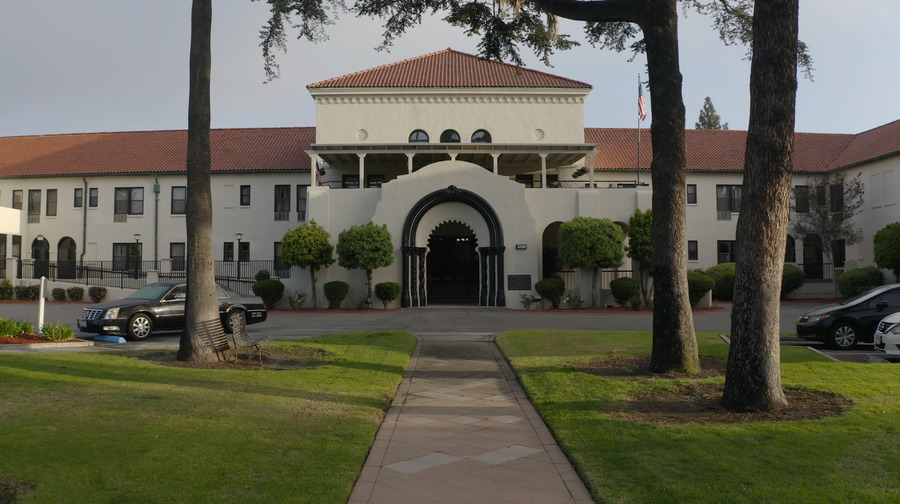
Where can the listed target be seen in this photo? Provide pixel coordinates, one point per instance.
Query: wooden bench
(242, 339)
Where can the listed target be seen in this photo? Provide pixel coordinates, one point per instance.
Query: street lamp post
(239, 236)
(137, 247)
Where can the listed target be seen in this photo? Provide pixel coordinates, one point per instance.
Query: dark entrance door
(812, 258)
(66, 254)
(452, 265)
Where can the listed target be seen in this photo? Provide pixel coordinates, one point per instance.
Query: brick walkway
(462, 431)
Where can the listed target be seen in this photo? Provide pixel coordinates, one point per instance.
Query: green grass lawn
(851, 458)
(113, 428)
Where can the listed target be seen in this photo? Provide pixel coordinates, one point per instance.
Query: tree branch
(594, 10)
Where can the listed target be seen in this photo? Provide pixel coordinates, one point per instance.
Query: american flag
(642, 105)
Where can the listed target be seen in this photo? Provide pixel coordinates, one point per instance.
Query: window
(244, 251)
(839, 253)
(126, 256)
(728, 198)
(17, 199)
(51, 202)
(129, 201)
(228, 252)
(526, 180)
(245, 195)
(176, 254)
(301, 202)
(790, 250)
(481, 136)
(418, 136)
(837, 198)
(93, 197)
(281, 269)
(79, 197)
(450, 136)
(350, 181)
(34, 206)
(693, 251)
(801, 199)
(692, 194)
(3, 255)
(726, 251)
(374, 180)
(282, 202)
(179, 200)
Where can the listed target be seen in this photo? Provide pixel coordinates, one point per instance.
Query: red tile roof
(449, 68)
(233, 150)
(717, 150)
(870, 145)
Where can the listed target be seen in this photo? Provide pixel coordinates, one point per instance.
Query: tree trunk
(312, 279)
(674, 341)
(753, 374)
(594, 288)
(203, 338)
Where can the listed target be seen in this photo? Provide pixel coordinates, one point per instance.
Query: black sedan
(842, 326)
(160, 306)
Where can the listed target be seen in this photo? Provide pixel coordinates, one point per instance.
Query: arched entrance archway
(812, 258)
(451, 265)
(491, 290)
(66, 253)
(40, 252)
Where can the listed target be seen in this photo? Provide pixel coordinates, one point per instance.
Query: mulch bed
(25, 338)
(696, 401)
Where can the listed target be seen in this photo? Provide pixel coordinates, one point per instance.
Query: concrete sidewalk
(462, 431)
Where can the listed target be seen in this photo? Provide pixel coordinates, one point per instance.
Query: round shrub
(335, 292)
(387, 292)
(97, 293)
(723, 274)
(699, 283)
(6, 290)
(551, 289)
(75, 293)
(623, 289)
(857, 281)
(270, 290)
(791, 279)
(27, 292)
(58, 293)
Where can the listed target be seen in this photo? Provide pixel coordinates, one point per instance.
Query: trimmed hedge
(387, 292)
(97, 293)
(699, 283)
(857, 281)
(623, 289)
(551, 289)
(270, 290)
(791, 279)
(723, 274)
(75, 293)
(6, 290)
(335, 292)
(59, 294)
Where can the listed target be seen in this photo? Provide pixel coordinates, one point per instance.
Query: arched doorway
(812, 258)
(490, 248)
(451, 265)
(66, 253)
(40, 252)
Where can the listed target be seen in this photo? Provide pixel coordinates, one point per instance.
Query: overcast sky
(114, 65)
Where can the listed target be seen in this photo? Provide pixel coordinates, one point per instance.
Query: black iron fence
(238, 276)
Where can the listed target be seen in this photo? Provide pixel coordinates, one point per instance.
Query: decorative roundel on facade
(362, 134)
(538, 134)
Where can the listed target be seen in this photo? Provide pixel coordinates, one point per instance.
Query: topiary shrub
(59, 294)
(75, 293)
(270, 290)
(262, 274)
(791, 279)
(723, 274)
(387, 292)
(6, 290)
(551, 289)
(27, 292)
(857, 281)
(335, 292)
(97, 293)
(699, 283)
(623, 289)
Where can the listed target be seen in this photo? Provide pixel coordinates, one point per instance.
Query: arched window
(790, 251)
(418, 136)
(481, 136)
(450, 136)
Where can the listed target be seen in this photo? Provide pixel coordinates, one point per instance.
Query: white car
(887, 335)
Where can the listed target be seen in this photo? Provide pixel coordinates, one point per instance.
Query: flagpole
(640, 97)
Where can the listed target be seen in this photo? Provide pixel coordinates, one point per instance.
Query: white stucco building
(470, 164)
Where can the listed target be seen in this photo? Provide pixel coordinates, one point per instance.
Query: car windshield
(860, 297)
(150, 292)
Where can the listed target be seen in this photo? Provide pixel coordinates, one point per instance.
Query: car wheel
(233, 319)
(843, 336)
(140, 326)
